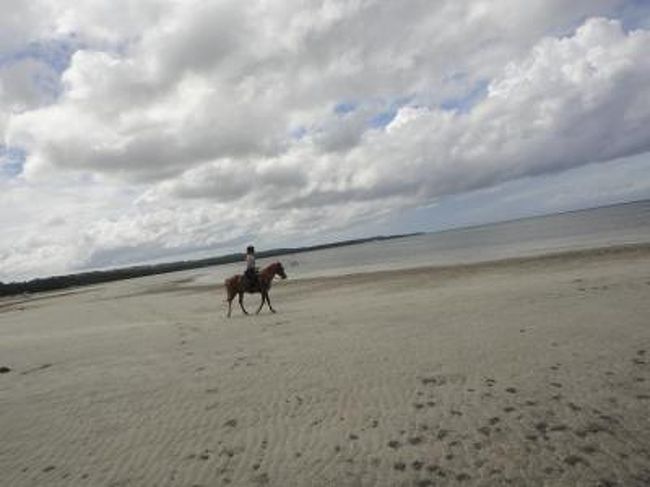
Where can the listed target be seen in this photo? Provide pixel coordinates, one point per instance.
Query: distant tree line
(96, 277)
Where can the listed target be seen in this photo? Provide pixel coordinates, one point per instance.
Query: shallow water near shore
(622, 224)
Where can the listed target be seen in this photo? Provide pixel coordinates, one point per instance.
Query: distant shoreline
(576, 256)
(58, 282)
(55, 283)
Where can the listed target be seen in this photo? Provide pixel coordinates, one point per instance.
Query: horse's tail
(229, 284)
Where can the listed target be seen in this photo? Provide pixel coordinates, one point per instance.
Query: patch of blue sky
(345, 107)
(383, 119)
(298, 133)
(465, 103)
(386, 116)
(634, 14)
(47, 84)
(12, 161)
(56, 53)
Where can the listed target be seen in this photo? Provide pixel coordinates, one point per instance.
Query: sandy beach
(522, 372)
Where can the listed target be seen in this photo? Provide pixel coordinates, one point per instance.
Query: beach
(528, 371)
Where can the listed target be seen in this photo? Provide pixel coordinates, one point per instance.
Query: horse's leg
(261, 304)
(268, 300)
(230, 295)
(241, 302)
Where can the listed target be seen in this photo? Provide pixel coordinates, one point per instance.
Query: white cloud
(213, 121)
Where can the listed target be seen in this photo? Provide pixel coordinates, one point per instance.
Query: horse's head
(279, 270)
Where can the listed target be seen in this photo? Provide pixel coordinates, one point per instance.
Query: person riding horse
(250, 276)
(236, 286)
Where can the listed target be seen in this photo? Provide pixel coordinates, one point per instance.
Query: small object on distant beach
(4, 369)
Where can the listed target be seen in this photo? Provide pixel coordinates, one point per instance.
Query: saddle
(250, 281)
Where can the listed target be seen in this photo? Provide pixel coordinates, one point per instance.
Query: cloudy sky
(139, 130)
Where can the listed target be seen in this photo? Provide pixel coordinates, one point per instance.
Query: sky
(138, 131)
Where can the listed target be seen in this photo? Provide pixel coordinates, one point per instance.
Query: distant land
(96, 277)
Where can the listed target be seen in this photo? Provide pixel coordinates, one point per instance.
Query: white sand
(529, 372)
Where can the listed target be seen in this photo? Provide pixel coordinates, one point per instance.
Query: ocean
(622, 224)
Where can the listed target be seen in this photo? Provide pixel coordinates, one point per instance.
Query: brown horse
(235, 286)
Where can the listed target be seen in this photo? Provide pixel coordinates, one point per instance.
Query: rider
(251, 271)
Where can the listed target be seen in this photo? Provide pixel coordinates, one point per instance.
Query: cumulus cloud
(216, 121)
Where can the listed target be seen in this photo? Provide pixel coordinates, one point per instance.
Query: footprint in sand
(417, 465)
(262, 479)
(589, 449)
(541, 426)
(574, 460)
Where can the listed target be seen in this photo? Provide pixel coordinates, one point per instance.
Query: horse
(235, 286)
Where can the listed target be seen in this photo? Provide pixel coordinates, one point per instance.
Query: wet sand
(523, 372)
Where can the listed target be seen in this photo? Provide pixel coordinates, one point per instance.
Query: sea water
(622, 224)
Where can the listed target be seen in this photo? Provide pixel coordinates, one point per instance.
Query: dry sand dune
(526, 372)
